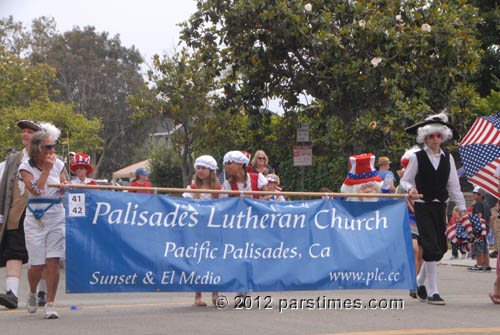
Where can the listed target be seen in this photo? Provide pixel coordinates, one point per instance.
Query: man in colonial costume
(13, 199)
(432, 172)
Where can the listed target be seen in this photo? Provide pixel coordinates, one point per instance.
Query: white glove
(387, 182)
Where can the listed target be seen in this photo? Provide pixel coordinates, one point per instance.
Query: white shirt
(48, 192)
(453, 185)
(77, 181)
(203, 196)
(53, 178)
(261, 181)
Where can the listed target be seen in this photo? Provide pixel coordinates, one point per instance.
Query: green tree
(488, 76)
(180, 91)
(165, 167)
(359, 60)
(13, 36)
(95, 73)
(25, 95)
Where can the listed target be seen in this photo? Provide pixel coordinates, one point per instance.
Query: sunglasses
(261, 157)
(438, 136)
(49, 146)
(80, 168)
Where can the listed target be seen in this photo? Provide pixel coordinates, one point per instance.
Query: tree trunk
(187, 164)
(110, 141)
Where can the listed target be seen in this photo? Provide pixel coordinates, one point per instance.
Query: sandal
(495, 299)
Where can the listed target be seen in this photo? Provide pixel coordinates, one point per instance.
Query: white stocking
(12, 284)
(431, 269)
(421, 275)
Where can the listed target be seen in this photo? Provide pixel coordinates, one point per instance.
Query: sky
(149, 25)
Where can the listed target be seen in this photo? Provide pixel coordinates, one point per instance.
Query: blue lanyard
(40, 212)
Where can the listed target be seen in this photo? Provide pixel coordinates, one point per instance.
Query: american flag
(480, 153)
(478, 227)
(465, 223)
(451, 233)
(475, 227)
(459, 231)
(470, 228)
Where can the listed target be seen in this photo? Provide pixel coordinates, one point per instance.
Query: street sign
(303, 132)
(302, 156)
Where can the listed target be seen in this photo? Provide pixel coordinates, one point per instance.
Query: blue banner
(130, 242)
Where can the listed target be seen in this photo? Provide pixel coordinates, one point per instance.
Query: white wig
(52, 130)
(434, 128)
(356, 189)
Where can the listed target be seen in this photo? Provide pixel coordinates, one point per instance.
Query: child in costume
(205, 178)
(235, 166)
(81, 168)
(273, 181)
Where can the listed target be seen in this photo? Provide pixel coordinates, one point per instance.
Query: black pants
(13, 244)
(431, 223)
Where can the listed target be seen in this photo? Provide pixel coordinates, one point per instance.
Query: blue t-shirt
(383, 173)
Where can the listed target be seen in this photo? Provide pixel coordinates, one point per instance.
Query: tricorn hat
(434, 124)
(34, 125)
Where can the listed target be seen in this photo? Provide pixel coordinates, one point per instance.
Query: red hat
(81, 160)
(361, 170)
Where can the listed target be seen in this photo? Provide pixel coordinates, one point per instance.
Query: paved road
(468, 311)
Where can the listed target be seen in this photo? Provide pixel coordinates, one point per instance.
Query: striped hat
(362, 170)
(81, 160)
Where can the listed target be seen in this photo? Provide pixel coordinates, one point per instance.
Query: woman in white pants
(45, 216)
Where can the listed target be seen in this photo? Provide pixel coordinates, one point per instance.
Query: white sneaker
(32, 304)
(50, 311)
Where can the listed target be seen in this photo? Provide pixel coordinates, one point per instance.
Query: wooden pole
(242, 193)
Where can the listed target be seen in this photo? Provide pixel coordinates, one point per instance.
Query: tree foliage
(488, 77)
(372, 68)
(25, 95)
(351, 56)
(94, 72)
(180, 91)
(165, 167)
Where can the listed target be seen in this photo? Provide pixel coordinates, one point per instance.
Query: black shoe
(475, 268)
(413, 294)
(494, 254)
(42, 298)
(435, 300)
(8, 300)
(421, 293)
